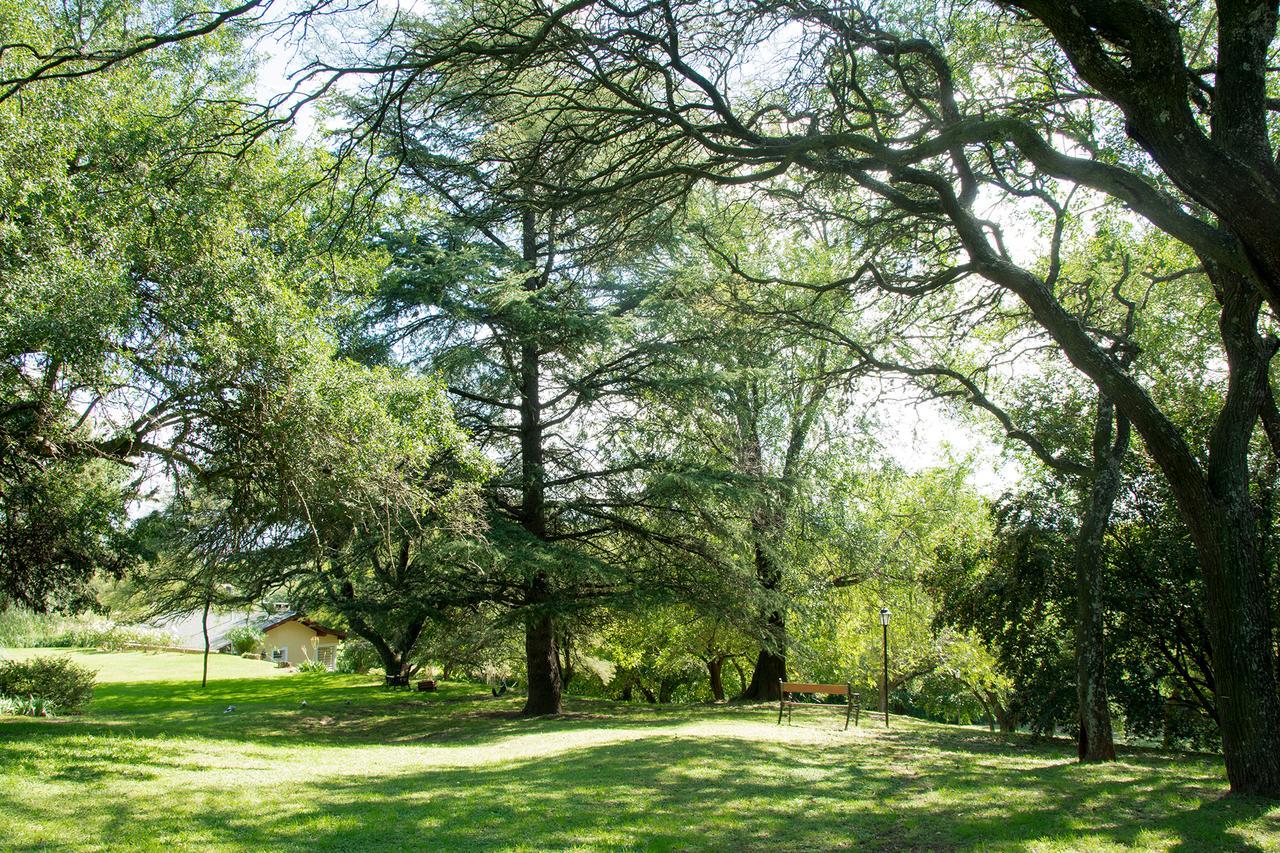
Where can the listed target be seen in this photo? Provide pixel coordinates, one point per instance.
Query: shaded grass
(159, 764)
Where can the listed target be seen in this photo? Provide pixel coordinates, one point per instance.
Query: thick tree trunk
(1095, 741)
(771, 668)
(715, 669)
(1213, 501)
(395, 667)
(768, 524)
(1224, 529)
(544, 667)
(771, 663)
(541, 658)
(1241, 637)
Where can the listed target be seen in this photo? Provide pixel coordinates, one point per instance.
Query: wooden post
(848, 703)
(781, 702)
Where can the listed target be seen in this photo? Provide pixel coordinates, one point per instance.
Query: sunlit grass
(153, 666)
(161, 763)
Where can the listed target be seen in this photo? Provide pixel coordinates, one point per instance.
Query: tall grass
(20, 628)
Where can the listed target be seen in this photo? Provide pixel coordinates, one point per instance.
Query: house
(295, 639)
(288, 636)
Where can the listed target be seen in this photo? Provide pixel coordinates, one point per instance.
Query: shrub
(357, 656)
(312, 666)
(56, 681)
(118, 637)
(245, 639)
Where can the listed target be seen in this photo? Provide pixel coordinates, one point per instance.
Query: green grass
(115, 667)
(158, 764)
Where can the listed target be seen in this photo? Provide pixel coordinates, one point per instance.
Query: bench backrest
(801, 687)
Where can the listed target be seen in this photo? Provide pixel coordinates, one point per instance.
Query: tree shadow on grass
(347, 711)
(720, 793)
(666, 792)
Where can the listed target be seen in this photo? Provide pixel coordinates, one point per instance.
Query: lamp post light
(884, 691)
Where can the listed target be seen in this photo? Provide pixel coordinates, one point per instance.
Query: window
(328, 655)
(280, 654)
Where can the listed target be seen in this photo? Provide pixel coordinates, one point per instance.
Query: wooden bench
(852, 705)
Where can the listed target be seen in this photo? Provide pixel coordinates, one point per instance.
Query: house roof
(188, 632)
(278, 619)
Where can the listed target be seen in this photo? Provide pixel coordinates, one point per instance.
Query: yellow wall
(299, 641)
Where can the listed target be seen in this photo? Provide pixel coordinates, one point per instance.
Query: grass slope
(116, 667)
(157, 764)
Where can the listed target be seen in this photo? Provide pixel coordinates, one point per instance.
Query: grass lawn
(114, 667)
(157, 763)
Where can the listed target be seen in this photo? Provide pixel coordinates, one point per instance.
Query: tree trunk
(1224, 529)
(394, 667)
(1241, 637)
(566, 661)
(742, 677)
(770, 669)
(541, 658)
(204, 626)
(1008, 721)
(544, 667)
(1095, 742)
(715, 669)
(771, 663)
(1214, 502)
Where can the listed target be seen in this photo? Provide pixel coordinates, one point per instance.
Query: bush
(357, 656)
(55, 681)
(245, 639)
(312, 666)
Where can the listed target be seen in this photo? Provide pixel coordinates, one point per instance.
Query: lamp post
(884, 623)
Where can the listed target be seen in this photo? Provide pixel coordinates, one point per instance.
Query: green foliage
(21, 627)
(56, 681)
(245, 639)
(151, 269)
(357, 656)
(313, 667)
(477, 642)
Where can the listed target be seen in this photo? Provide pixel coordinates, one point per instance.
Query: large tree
(140, 263)
(1163, 109)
